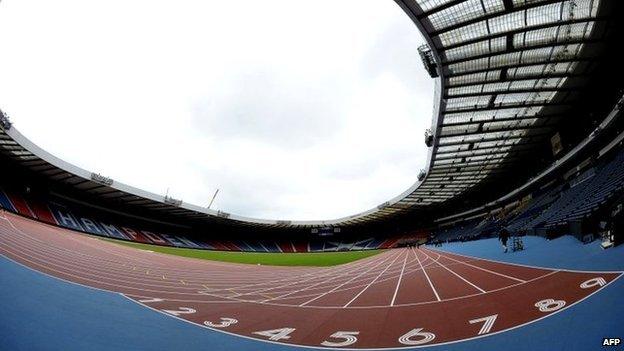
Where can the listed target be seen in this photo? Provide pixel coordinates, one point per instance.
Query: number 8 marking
(549, 305)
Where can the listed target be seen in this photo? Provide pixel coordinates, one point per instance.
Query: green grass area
(264, 258)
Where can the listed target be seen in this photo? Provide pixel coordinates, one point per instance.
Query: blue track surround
(40, 312)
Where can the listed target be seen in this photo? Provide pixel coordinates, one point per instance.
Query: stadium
(508, 239)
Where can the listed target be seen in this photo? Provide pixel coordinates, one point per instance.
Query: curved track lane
(400, 298)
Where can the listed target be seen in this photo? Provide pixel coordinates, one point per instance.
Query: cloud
(313, 113)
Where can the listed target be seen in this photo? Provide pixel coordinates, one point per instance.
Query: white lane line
(325, 274)
(308, 287)
(343, 284)
(371, 283)
(427, 276)
(485, 270)
(399, 282)
(318, 273)
(459, 276)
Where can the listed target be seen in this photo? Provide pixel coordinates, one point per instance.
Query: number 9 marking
(593, 282)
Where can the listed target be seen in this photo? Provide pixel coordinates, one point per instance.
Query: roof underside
(508, 72)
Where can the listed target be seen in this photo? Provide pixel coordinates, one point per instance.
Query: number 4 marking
(488, 323)
(276, 334)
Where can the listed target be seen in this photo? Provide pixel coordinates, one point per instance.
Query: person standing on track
(503, 236)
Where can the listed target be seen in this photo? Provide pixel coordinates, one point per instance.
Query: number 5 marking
(225, 322)
(349, 339)
(488, 323)
(181, 310)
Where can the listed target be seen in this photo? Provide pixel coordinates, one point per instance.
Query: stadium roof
(506, 72)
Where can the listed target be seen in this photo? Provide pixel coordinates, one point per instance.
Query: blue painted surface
(43, 313)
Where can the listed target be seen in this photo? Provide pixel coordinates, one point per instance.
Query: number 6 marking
(593, 282)
(425, 337)
(181, 310)
(487, 325)
(549, 305)
(348, 336)
(225, 322)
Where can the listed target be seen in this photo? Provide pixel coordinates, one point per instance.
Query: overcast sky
(293, 109)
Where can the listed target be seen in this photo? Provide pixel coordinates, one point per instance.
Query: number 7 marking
(488, 323)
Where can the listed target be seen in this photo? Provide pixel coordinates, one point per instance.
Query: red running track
(400, 298)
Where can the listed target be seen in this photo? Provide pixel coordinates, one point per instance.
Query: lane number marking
(180, 310)
(488, 323)
(225, 322)
(348, 337)
(276, 334)
(600, 281)
(423, 337)
(549, 305)
(151, 300)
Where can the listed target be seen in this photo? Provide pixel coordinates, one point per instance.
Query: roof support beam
(520, 30)
(523, 8)
(501, 107)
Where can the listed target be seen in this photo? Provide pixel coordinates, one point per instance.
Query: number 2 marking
(488, 323)
(593, 282)
(349, 338)
(180, 310)
(150, 300)
(225, 322)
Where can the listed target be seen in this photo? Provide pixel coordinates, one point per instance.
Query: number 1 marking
(488, 323)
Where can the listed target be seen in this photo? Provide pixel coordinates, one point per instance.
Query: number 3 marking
(487, 325)
(348, 336)
(593, 282)
(425, 337)
(549, 305)
(225, 322)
